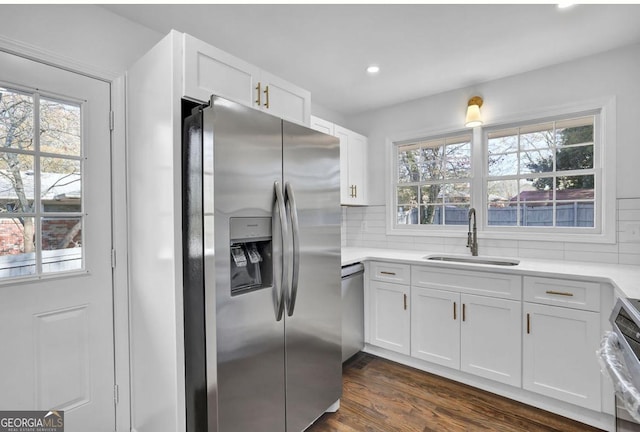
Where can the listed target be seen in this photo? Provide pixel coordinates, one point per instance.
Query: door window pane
(61, 244)
(16, 182)
(61, 185)
(59, 127)
(17, 247)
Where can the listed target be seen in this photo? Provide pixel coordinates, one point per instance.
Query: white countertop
(624, 278)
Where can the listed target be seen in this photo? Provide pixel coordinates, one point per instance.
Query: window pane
(536, 214)
(431, 215)
(575, 188)
(456, 214)
(536, 161)
(16, 120)
(431, 163)
(501, 193)
(458, 160)
(572, 158)
(17, 247)
(456, 193)
(574, 131)
(503, 141)
(536, 189)
(407, 195)
(503, 164)
(16, 182)
(61, 244)
(536, 136)
(407, 214)
(504, 215)
(408, 165)
(60, 185)
(59, 127)
(575, 214)
(431, 194)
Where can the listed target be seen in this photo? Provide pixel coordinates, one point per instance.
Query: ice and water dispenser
(251, 254)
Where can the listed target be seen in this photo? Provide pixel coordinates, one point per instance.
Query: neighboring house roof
(54, 185)
(561, 195)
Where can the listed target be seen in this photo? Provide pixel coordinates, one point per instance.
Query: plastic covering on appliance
(611, 359)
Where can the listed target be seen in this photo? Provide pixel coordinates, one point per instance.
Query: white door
(56, 313)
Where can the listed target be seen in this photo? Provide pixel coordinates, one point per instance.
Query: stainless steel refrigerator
(261, 233)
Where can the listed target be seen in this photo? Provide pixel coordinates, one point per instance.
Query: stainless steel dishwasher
(352, 310)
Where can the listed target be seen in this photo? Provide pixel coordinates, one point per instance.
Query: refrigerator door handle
(280, 208)
(292, 210)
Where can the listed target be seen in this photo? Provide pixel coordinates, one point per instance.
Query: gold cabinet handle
(387, 273)
(405, 302)
(259, 100)
(560, 293)
(528, 324)
(454, 311)
(464, 312)
(266, 92)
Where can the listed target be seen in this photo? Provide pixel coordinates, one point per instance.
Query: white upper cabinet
(322, 125)
(209, 70)
(353, 160)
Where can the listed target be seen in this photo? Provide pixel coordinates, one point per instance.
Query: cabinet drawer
(472, 282)
(562, 292)
(390, 272)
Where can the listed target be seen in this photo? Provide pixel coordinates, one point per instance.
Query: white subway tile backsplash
(552, 254)
(629, 259)
(372, 233)
(629, 204)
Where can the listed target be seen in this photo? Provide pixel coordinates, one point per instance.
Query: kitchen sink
(474, 259)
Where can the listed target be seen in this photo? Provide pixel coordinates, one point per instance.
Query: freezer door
(311, 165)
(247, 170)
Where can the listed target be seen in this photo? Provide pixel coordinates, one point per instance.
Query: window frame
(604, 230)
(39, 214)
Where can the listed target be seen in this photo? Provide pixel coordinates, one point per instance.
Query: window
(41, 215)
(547, 178)
(433, 181)
(542, 175)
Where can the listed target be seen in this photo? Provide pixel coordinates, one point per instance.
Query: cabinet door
(490, 338)
(559, 358)
(435, 326)
(357, 167)
(390, 316)
(283, 99)
(209, 70)
(353, 149)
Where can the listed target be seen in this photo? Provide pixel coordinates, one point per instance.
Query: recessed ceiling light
(565, 5)
(373, 69)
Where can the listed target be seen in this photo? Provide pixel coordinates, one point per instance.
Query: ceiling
(422, 49)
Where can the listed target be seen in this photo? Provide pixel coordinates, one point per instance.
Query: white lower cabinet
(490, 338)
(435, 326)
(559, 360)
(390, 316)
(479, 335)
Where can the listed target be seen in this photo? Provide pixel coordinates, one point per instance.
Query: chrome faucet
(472, 235)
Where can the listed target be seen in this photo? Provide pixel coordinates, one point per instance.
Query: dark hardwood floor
(383, 396)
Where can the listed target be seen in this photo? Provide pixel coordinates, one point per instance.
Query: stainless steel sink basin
(474, 260)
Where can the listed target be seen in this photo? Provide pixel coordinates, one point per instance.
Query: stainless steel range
(619, 355)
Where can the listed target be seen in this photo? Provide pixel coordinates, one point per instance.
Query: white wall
(614, 73)
(93, 37)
